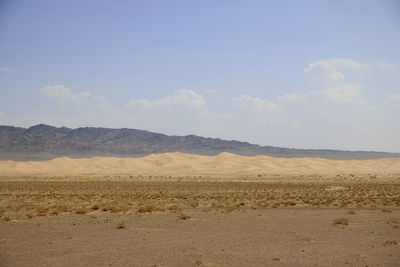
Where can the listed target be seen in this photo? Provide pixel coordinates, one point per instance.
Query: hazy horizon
(312, 74)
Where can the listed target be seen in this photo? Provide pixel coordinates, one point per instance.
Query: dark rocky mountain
(42, 142)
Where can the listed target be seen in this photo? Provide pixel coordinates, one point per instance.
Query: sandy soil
(187, 210)
(282, 237)
(191, 223)
(224, 164)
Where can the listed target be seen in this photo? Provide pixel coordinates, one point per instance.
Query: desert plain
(178, 209)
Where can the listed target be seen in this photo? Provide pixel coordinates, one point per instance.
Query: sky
(300, 74)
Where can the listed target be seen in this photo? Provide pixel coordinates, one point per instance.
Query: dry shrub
(95, 207)
(290, 203)
(391, 242)
(117, 209)
(122, 225)
(387, 211)
(146, 209)
(54, 212)
(183, 217)
(199, 263)
(206, 209)
(63, 209)
(194, 204)
(105, 209)
(230, 209)
(2, 211)
(174, 208)
(113, 209)
(352, 212)
(42, 211)
(395, 222)
(81, 211)
(342, 221)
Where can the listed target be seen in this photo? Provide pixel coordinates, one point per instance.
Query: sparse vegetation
(2, 211)
(341, 221)
(183, 217)
(395, 222)
(199, 263)
(146, 209)
(43, 199)
(81, 211)
(42, 210)
(122, 225)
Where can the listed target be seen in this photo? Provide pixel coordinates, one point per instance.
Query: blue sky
(304, 74)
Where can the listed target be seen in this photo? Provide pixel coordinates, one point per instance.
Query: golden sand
(189, 164)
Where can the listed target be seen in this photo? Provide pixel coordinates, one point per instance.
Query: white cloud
(331, 116)
(325, 76)
(329, 73)
(182, 98)
(105, 107)
(291, 98)
(395, 100)
(4, 119)
(255, 104)
(182, 112)
(345, 93)
(334, 116)
(64, 95)
(340, 63)
(4, 69)
(256, 115)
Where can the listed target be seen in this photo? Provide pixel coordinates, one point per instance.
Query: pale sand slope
(190, 164)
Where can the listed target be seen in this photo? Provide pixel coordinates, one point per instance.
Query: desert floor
(188, 222)
(187, 210)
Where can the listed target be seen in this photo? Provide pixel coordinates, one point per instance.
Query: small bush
(42, 211)
(146, 209)
(81, 211)
(342, 221)
(199, 263)
(122, 225)
(183, 217)
(395, 222)
(173, 208)
(55, 212)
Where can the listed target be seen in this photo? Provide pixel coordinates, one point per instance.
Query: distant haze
(300, 74)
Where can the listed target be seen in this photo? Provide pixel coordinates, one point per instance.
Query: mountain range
(43, 142)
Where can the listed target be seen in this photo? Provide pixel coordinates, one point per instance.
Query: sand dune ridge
(190, 164)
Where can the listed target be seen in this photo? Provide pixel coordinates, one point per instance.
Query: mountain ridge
(43, 142)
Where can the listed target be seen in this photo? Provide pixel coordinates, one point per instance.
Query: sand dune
(190, 164)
